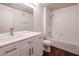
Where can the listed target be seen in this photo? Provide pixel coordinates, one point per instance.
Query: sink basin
(10, 38)
(5, 36)
(22, 32)
(17, 35)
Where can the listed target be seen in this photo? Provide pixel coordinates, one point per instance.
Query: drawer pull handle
(11, 50)
(32, 51)
(30, 42)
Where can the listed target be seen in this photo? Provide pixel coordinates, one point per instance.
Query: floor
(58, 52)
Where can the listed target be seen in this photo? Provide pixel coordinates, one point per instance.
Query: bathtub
(70, 47)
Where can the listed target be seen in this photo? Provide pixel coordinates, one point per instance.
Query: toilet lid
(46, 42)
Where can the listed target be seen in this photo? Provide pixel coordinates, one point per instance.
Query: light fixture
(32, 5)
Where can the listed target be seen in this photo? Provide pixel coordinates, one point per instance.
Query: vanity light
(32, 5)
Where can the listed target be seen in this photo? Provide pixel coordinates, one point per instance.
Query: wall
(38, 19)
(43, 21)
(65, 26)
(78, 23)
(10, 17)
(47, 22)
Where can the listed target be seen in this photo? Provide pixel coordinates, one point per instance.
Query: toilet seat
(47, 42)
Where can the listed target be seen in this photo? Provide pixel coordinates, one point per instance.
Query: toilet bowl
(47, 44)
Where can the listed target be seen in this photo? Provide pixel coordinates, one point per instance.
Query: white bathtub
(71, 47)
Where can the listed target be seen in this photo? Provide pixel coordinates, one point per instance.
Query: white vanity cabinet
(31, 46)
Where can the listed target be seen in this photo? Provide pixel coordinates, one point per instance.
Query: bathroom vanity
(22, 44)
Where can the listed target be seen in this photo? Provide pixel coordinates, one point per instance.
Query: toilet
(47, 44)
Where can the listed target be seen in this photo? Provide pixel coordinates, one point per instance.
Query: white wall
(47, 22)
(22, 20)
(38, 19)
(43, 21)
(78, 23)
(65, 23)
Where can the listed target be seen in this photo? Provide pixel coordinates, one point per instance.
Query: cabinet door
(25, 51)
(37, 49)
(25, 48)
(1, 52)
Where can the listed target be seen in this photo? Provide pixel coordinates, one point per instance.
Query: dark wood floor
(58, 52)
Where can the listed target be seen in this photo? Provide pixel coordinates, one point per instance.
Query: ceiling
(56, 6)
(52, 6)
(19, 6)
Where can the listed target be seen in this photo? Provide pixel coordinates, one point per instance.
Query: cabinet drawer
(31, 41)
(39, 37)
(35, 39)
(11, 50)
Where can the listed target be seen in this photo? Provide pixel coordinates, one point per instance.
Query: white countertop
(7, 39)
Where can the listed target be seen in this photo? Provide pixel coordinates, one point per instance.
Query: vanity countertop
(7, 39)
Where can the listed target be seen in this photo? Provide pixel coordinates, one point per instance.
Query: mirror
(15, 15)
